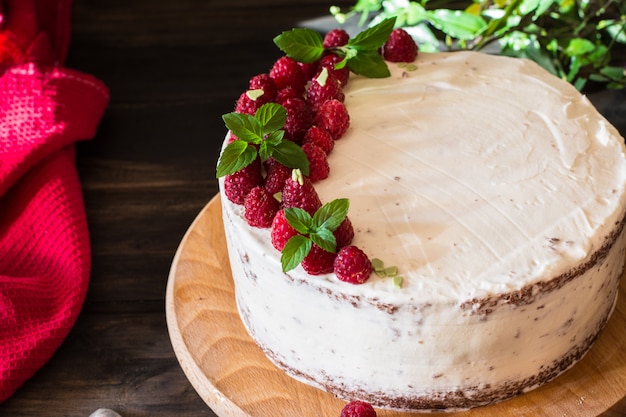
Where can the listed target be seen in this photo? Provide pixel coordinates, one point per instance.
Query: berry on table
(358, 408)
(352, 265)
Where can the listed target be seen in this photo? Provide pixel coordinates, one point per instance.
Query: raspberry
(400, 47)
(287, 73)
(318, 163)
(281, 230)
(276, 176)
(333, 116)
(260, 207)
(329, 61)
(238, 185)
(249, 103)
(318, 261)
(336, 37)
(320, 137)
(352, 265)
(344, 234)
(358, 409)
(299, 192)
(265, 83)
(325, 86)
(287, 93)
(299, 119)
(309, 69)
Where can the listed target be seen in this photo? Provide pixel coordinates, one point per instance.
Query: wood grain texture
(233, 376)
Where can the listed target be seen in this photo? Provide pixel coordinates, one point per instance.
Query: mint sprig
(316, 229)
(260, 135)
(360, 55)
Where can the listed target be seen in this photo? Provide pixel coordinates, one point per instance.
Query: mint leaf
(296, 249)
(299, 219)
(272, 117)
(374, 37)
(236, 155)
(291, 155)
(325, 239)
(244, 126)
(331, 214)
(369, 64)
(301, 44)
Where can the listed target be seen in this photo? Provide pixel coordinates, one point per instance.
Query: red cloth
(45, 255)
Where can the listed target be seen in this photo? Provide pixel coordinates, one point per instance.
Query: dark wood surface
(173, 68)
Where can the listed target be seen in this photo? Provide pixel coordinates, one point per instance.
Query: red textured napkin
(45, 256)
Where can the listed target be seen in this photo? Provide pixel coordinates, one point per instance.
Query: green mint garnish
(316, 229)
(360, 55)
(260, 135)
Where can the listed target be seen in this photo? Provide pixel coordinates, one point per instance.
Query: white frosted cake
(498, 191)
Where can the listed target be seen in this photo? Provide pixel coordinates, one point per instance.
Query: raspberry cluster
(312, 95)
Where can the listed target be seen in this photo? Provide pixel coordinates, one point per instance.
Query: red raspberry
(358, 409)
(287, 93)
(249, 103)
(265, 83)
(400, 47)
(333, 116)
(281, 230)
(300, 195)
(309, 69)
(318, 163)
(260, 207)
(318, 261)
(320, 137)
(352, 265)
(325, 86)
(238, 185)
(286, 72)
(329, 61)
(336, 37)
(276, 176)
(299, 119)
(344, 234)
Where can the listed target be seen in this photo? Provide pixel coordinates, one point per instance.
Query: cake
(498, 192)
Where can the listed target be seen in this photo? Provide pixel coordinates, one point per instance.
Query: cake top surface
(474, 175)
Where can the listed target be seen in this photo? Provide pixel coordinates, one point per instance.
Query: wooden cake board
(235, 379)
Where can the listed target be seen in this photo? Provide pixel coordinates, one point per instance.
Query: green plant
(580, 41)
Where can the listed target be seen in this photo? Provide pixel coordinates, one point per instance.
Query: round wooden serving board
(235, 379)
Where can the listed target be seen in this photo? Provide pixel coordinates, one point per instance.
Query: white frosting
(476, 176)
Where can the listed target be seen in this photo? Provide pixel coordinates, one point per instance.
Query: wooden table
(173, 67)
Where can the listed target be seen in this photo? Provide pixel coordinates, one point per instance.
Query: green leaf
(272, 117)
(296, 249)
(369, 64)
(244, 126)
(331, 214)
(299, 219)
(302, 44)
(614, 73)
(374, 37)
(291, 155)
(236, 155)
(457, 23)
(578, 47)
(325, 239)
